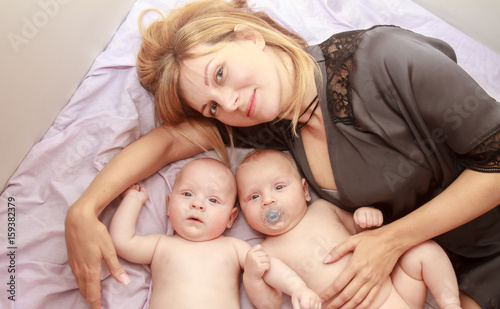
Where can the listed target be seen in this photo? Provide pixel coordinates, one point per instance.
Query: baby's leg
(426, 266)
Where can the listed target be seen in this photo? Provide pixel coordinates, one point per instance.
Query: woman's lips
(251, 105)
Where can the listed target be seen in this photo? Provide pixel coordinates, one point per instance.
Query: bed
(110, 109)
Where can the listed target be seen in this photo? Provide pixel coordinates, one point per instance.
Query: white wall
(46, 48)
(479, 19)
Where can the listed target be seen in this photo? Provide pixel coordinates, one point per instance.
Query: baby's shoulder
(322, 205)
(231, 241)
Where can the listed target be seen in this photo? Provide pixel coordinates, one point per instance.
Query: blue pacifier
(273, 218)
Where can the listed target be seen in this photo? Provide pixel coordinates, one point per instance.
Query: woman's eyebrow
(206, 71)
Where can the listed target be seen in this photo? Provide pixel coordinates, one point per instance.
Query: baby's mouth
(195, 219)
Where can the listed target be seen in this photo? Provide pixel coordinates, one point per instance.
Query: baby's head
(271, 192)
(202, 202)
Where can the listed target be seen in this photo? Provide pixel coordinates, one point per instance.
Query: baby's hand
(367, 217)
(256, 262)
(305, 299)
(137, 192)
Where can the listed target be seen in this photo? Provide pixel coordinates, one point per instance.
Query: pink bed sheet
(110, 109)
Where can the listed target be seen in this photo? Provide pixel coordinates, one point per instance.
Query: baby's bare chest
(200, 262)
(304, 248)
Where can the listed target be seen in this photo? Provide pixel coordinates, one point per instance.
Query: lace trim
(485, 157)
(338, 51)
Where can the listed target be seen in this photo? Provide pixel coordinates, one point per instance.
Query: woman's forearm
(469, 196)
(134, 163)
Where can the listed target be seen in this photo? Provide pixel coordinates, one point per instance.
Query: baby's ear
(168, 202)
(305, 187)
(232, 217)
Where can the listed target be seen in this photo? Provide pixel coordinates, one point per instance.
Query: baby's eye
(188, 194)
(254, 196)
(279, 187)
(219, 75)
(213, 109)
(213, 200)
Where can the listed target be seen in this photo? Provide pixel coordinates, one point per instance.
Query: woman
(408, 132)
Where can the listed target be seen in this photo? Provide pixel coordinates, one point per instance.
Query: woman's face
(241, 84)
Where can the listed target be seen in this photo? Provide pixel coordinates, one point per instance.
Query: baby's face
(201, 204)
(272, 195)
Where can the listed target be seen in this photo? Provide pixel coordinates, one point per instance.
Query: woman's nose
(229, 100)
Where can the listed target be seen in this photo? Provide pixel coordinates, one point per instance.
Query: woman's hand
(374, 257)
(88, 243)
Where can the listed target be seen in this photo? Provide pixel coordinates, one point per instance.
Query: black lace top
(339, 51)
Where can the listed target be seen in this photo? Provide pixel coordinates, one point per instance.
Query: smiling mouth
(251, 105)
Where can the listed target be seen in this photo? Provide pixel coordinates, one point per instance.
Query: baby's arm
(136, 249)
(368, 217)
(362, 219)
(269, 276)
(256, 263)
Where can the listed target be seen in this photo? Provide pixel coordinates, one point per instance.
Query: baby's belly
(319, 276)
(193, 296)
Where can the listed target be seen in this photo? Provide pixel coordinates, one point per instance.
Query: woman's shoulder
(393, 41)
(382, 40)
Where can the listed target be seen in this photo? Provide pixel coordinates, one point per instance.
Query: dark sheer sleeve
(447, 111)
(485, 157)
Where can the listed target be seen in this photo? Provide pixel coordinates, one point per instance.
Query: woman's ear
(246, 33)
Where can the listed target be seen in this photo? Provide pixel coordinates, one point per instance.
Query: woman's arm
(377, 251)
(87, 239)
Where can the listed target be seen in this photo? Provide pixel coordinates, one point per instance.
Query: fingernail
(124, 278)
(327, 258)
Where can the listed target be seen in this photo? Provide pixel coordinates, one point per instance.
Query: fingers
(340, 250)
(115, 268)
(307, 301)
(367, 217)
(258, 254)
(355, 297)
(338, 285)
(93, 289)
(88, 283)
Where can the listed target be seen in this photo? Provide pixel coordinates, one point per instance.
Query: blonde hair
(169, 41)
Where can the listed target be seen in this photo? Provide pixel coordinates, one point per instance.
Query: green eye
(213, 109)
(218, 77)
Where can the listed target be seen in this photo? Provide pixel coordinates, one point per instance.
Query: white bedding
(110, 109)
